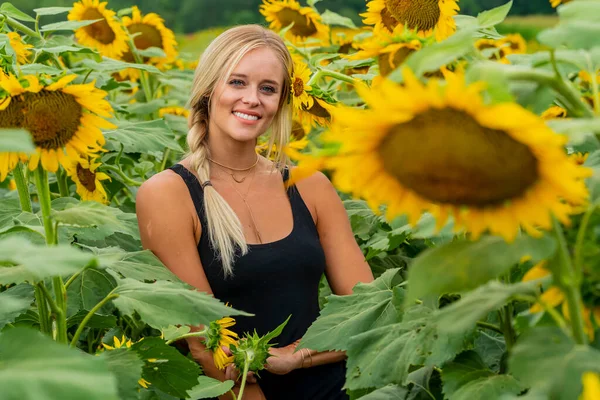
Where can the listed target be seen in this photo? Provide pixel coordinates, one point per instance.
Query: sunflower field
(469, 166)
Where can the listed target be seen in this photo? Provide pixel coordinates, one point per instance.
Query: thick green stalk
(188, 335)
(577, 256)
(570, 284)
(43, 189)
(491, 327)
(22, 187)
(89, 315)
(166, 155)
(42, 306)
(61, 179)
(125, 178)
(13, 23)
(143, 77)
(244, 376)
(60, 294)
(336, 75)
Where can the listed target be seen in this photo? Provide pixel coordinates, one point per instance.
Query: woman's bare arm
(168, 227)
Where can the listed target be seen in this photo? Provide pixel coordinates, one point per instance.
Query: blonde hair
(224, 228)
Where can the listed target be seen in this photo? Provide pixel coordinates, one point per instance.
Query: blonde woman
(223, 221)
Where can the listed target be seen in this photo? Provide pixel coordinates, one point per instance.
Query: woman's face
(243, 106)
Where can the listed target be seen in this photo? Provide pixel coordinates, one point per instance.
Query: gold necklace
(254, 227)
(236, 169)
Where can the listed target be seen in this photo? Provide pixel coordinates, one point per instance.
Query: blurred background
(197, 22)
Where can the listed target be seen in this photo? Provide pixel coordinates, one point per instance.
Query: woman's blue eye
(269, 89)
(236, 82)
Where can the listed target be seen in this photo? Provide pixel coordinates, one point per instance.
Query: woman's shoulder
(164, 185)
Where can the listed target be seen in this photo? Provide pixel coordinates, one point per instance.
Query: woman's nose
(250, 97)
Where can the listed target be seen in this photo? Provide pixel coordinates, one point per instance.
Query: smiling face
(243, 106)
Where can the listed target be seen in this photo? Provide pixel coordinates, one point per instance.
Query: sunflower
(127, 343)
(318, 113)
(591, 386)
(579, 158)
(20, 48)
(554, 112)
(554, 296)
(493, 167)
(556, 3)
(499, 49)
(345, 38)
(516, 43)
(300, 87)
(307, 21)
(151, 32)
(84, 172)
(390, 48)
(64, 120)
(107, 35)
(218, 336)
(425, 16)
(174, 110)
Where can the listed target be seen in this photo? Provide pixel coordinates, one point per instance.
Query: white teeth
(245, 116)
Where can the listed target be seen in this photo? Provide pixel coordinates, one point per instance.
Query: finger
(226, 350)
(251, 377)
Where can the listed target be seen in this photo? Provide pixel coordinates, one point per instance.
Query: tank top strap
(301, 213)
(195, 189)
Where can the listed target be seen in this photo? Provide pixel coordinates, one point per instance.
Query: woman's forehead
(262, 64)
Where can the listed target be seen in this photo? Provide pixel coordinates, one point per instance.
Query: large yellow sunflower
(64, 120)
(107, 35)
(218, 336)
(300, 87)
(306, 20)
(152, 32)
(390, 48)
(84, 172)
(441, 149)
(21, 49)
(425, 16)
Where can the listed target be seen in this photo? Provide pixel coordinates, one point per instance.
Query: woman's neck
(231, 153)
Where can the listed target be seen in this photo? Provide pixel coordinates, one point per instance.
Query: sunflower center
(303, 26)
(298, 87)
(148, 36)
(52, 117)
(446, 156)
(421, 14)
(86, 177)
(399, 56)
(100, 30)
(297, 130)
(388, 19)
(317, 110)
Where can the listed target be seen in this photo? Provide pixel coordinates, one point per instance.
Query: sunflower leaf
(494, 16)
(332, 18)
(384, 355)
(11, 11)
(165, 368)
(463, 265)
(59, 372)
(143, 137)
(68, 25)
(88, 289)
(126, 366)
(209, 387)
(389, 392)
(14, 302)
(164, 303)
(371, 306)
(552, 363)
(16, 140)
(141, 265)
(51, 10)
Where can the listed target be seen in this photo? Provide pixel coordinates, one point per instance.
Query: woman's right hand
(234, 374)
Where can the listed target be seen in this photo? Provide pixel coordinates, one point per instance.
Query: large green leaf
(16, 140)
(384, 355)
(550, 362)
(97, 321)
(491, 387)
(475, 305)
(165, 368)
(88, 289)
(494, 16)
(144, 137)
(161, 304)
(11, 11)
(86, 213)
(68, 25)
(370, 306)
(332, 18)
(34, 263)
(9, 209)
(464, 265)
(362, 219)
(126, 366)
(112, 65)
(51, 10)
(389, 392)
(14, 302)
(33, 366)
(208, 388)
(141, 265)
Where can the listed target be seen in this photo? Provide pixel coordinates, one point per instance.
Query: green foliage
(14, 302)
(209, 387)
(252, 351)
(127, 368)
(18, 140)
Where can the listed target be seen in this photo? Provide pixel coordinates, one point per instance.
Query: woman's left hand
(283, 359)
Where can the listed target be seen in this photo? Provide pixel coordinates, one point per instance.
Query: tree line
(186, 16)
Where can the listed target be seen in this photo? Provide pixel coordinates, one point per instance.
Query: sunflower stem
(42, 306)
(61, 178)
(22, 188)
(166, 155)
(89, 315)
(577, 256)
(571, 97)
(244, 376)
(570, 284)
(125, 178)
(60, 294)
(138, 59)
(43, 189)
(188, 335)
(13, 23)
(336, 75)
(491, 327)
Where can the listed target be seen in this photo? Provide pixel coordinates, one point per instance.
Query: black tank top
(272, 281)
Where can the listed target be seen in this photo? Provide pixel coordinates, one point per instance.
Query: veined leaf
(144, 137)
(494, 16)
(111, 65)
(126, 366)
(464, 265)
(11, 11)
(389, 392)
(384, 355)
(163, 303)
(141, 265)
(34, 366)
(68, 25)
(34, 263)
(209, 388)
(552, 363)
(14, 302)
(86, 214)
(165, 368)
(332, 18)
(88, 289)
(51, 10)
(16, 140)
(491, 387)
(370, 306)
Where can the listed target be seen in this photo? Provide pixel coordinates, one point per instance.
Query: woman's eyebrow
(246, 77)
